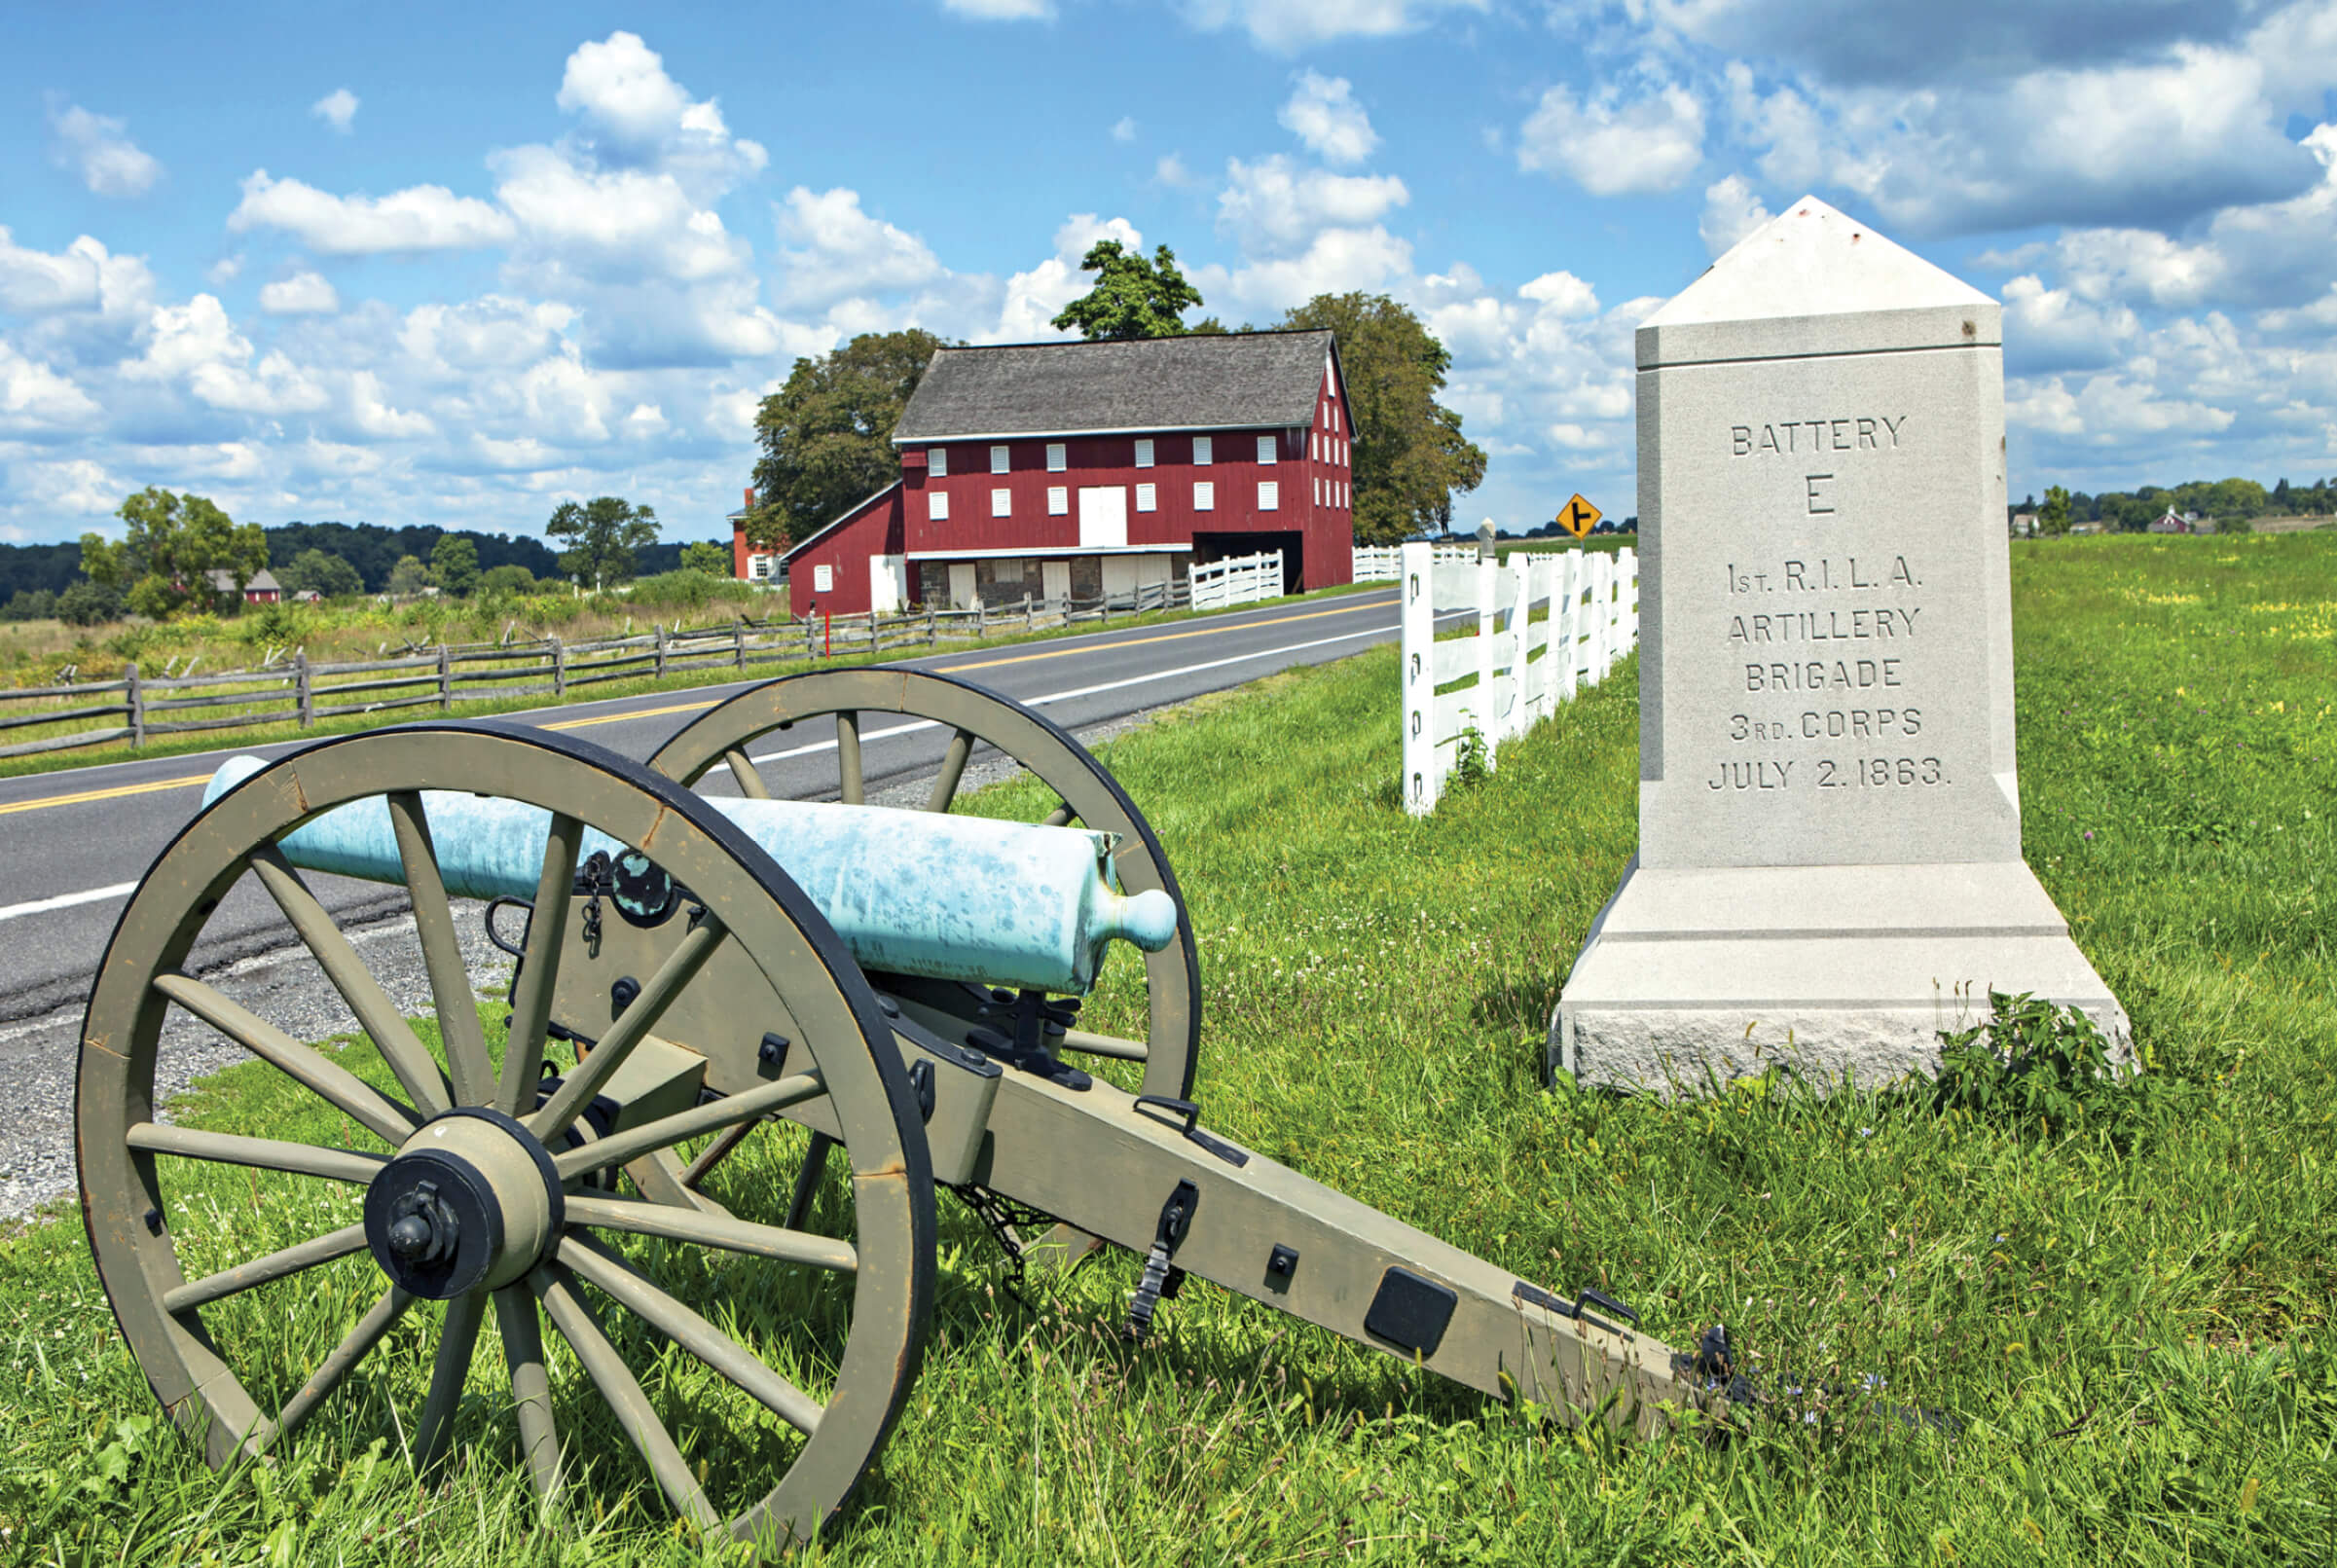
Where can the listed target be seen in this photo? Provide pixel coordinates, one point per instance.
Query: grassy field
(2130, 1315)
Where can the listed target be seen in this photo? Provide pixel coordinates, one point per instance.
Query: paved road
(74, 844)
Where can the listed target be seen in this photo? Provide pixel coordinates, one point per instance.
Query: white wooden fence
(1236, 580)
(1514, 669)
(1384, 562)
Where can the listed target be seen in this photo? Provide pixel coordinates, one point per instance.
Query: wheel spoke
(530, 1387)
(622, 1148)
(657, 1177)
(784, 1246)
(539, 969)
(742, 768)
(344, 1360)
(274, 1266)
(328, 1079)
(442, 953)
(640, 1015)
(953, 769)
(1061, 816)
(263, 1154)
(715, 1153)
(377, 1014)
(847, 760)
(622, 1284)
(1112, 1046)
(457, 1337)
(626, 1400)
(807, 1180)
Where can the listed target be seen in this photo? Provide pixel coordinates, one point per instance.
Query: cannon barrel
(911, 893)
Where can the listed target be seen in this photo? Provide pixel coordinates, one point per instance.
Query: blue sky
(456, 265)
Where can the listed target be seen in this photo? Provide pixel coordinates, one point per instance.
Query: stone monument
(1829, 868)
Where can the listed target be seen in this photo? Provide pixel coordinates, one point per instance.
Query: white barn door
(1103, 515)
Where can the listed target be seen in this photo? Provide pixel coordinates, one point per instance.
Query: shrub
(2037, 1066)
(506, 580)
(88, 603)
(30, 605)
(687, 590)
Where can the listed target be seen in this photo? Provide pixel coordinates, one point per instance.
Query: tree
(828, 434)
(162, 563)
(407, 577)
(1408, 454)
(506, 580)
(707, 556)
(2053, 518)
(455, 562)
(88, 603)
(1132, 297)
(602, 534)
(313, 572)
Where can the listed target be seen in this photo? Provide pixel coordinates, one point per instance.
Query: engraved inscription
(1784, 438)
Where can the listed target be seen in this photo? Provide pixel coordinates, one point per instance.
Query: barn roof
(1211, 381)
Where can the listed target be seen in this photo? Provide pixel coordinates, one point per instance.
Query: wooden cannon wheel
(388, 1221)
(1085, 794)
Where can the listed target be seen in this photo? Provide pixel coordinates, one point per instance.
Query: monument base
(1829, 969)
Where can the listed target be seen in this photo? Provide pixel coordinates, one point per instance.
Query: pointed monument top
(1813, 260)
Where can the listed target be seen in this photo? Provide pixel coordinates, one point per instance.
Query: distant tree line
(2225, 501)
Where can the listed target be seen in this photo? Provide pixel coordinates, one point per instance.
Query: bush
(687, 590)
(88, 603)
(30, 605)
(506, 580)
(317, 571)
(2037, 1066)
(707, 556)
(270, 626)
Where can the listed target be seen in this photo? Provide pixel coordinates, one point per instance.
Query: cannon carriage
(749, 1044)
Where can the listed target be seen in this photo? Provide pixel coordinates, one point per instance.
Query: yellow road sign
(1578, 518)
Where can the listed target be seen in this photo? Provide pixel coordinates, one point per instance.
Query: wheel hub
(471, 1202)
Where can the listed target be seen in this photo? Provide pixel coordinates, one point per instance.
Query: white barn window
(936, 505)
(1144, 453)
(1268, 448)
(998, 459)
(1001, 503)
(1269, 496)
(1204, 450)
(1057, 457)
(1318, 493)
(1205, 495)
(1058, 501)
(936, 461)
(1148, 499)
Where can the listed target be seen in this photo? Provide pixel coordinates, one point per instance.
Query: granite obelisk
(1829, 868)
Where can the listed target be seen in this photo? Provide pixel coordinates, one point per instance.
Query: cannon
(708, 1139)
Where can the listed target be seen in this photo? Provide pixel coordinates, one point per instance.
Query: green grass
(2135, 1331)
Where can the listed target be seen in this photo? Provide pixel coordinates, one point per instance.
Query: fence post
(1416, 585)
(660, 632)
(137, 701)
(1489, 594)
(1027, 622)
(303, 689)
(560, 667)
(738, 644)
(446, 677)
(981, 617)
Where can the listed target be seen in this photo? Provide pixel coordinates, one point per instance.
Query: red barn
(1088, 468)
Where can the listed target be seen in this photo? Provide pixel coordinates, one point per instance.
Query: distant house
(2024, 524)
(748, 564)
(1081, 469)
(2175, 522)
(263, 589)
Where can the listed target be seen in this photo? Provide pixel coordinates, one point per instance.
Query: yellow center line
(115, 793)
(637, 713)
(1164, 636)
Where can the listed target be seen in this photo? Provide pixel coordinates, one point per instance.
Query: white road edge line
(66, 900)
(42, 906)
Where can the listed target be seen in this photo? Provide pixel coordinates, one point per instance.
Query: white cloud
(1336, 260)
(493, 332)
(836, 250)
(371, 410)
(1002, 9)
(625, 221)
(420, 218)
(337, 108)
(1035, 298)
(1124, 128)
(1321, 112)
(2108, 409)
(96, 149)
(1277, 206)
(300, 294)
(1171, 171)
(2050, 329)
(84, 276)
(1288, 25)
(1731, 210)
(643, 118)
(34, 397)
(1613, 147)
(79, 485)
